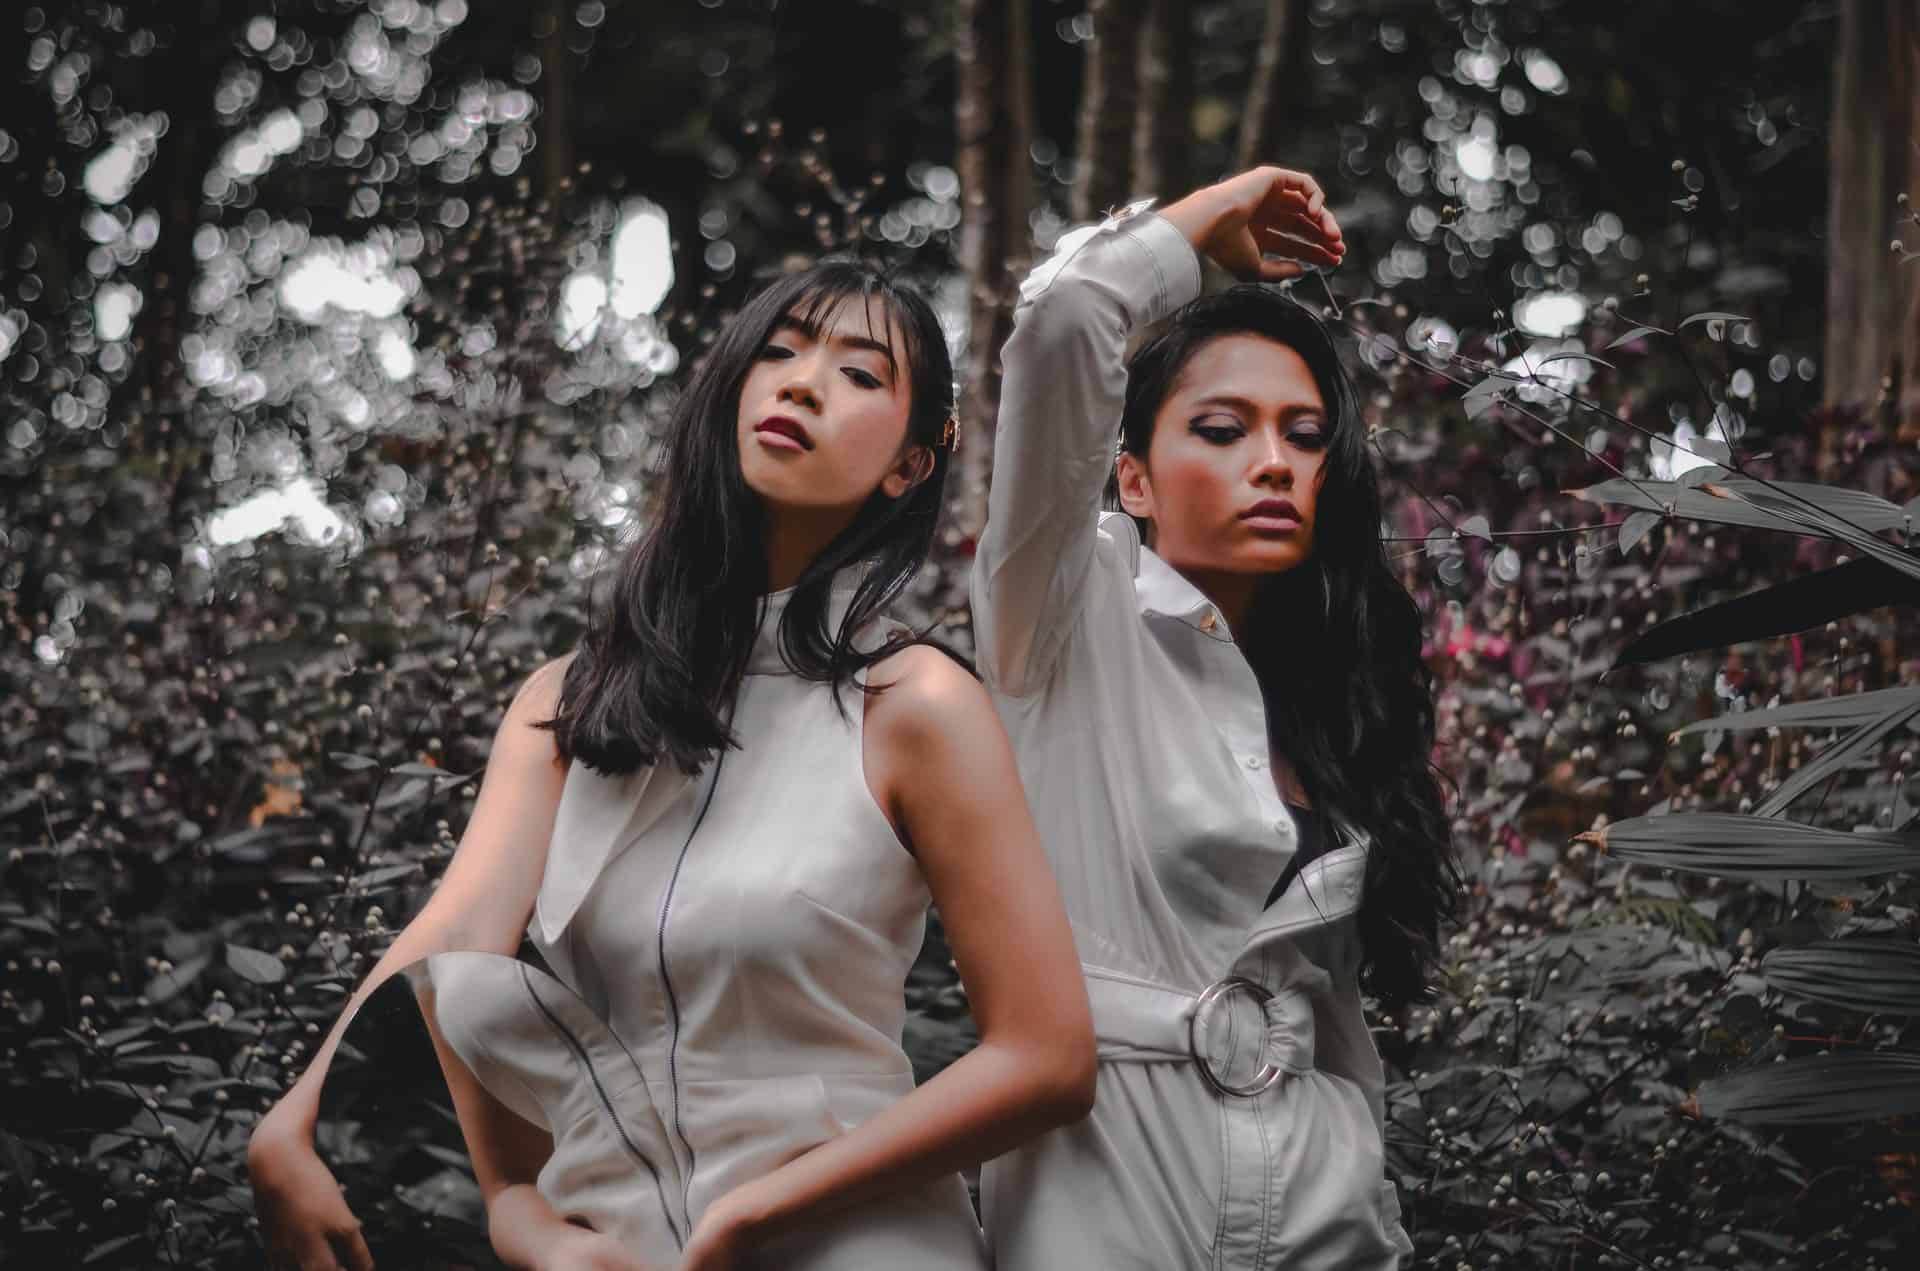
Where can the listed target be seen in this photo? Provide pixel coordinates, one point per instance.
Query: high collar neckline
(766, 658)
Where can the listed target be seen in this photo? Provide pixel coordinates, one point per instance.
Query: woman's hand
(303, 1216)
(584, 1249)
(1261, 212)
(718, 1240)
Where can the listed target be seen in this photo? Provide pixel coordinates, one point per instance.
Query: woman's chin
(1267, 558)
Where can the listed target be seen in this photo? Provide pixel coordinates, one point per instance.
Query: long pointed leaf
(1818, 1090)
(1711, 315)
(1741, 501)
(1846, 529)
(1878, 977)
(1796, 605)
(1834, 757)
(1761, 847)
(1635, 334)
(1821, 712)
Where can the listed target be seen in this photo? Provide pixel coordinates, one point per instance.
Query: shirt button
(1254, 762)
(1282, 826)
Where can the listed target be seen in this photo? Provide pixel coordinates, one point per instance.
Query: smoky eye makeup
(1216, 425)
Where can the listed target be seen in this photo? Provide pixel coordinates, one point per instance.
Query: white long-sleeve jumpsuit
(1142, 740)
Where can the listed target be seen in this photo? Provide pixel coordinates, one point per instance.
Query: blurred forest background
(334, 340)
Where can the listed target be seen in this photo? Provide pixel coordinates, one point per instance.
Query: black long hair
(655, 681)
(1335, 644)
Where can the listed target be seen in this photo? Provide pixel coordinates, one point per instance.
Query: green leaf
(1482, 397)
(1834, 757)
(1822, 712)
(385, 874)
(106, 1247)
(1711, 315)
(1852, 517)
(1700, 474)
(18, 1158)
(168, 983)
(1741, 501)
(1636, 527)
(1876, 976)
(1712, 448)
(1837, 514)
(1818, 1090)
(1576, 357)
(1758, 847)
(424, 770)
(412, 790)
(1795, 605)
(252, 964)
(1635, 334)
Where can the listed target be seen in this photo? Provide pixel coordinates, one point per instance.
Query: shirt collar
(1159, 588)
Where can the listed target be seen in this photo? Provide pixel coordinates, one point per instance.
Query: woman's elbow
(1068, 1073)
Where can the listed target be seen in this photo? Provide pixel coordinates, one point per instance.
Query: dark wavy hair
(655, 680)
(1335, 644)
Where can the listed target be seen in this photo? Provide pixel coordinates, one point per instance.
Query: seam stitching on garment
(1159, 303)
(1226, 1182)
(1266, 1146)
(585, 1060)
(666, 979)
(1121, 977)
(1266, 1194)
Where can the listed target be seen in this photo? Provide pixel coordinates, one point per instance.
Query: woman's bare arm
(486, 896)
(483, 903)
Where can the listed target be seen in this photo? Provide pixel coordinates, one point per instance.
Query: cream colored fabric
(748, 976)
(1142, 742)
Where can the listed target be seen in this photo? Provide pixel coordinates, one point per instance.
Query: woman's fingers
(313, 1252)
(1306, 228)
(1280, 270)
(350, 1247)
(1287, 181)
(1276, 243)
(1291, 209)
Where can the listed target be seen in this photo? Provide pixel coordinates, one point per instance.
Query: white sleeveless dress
(739, 941)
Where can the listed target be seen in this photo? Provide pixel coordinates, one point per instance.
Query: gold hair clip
(950, 435)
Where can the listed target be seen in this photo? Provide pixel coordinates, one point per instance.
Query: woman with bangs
(1215, 692)
(721, 821)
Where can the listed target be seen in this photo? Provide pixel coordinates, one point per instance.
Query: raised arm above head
(1065, 384)
(1060, 398)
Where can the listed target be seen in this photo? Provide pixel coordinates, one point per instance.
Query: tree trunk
(177, 84)
(1268, 99)
(1108, 103)
(1872, 357)
(556, 111)
(1163, 127)
(994, 133)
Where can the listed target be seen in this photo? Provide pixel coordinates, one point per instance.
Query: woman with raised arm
(1218, 704)
(721, 821)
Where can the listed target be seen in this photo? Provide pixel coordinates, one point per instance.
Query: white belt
(1135, 1019)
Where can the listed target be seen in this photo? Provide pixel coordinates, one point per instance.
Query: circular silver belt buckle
(1262, 1081)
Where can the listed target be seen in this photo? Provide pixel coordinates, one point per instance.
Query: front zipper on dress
(585, 1060)
(666, 980)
